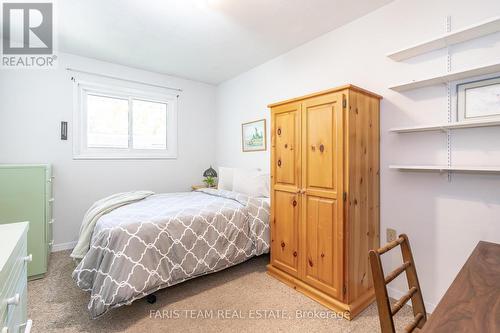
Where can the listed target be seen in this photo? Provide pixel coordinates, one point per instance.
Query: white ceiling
(204, 40)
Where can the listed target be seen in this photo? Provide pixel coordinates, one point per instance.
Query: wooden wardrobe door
(322, 200)
(285, 175)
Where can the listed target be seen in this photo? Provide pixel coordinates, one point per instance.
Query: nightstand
(197, 187)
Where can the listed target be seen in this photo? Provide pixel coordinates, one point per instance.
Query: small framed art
(253, 136)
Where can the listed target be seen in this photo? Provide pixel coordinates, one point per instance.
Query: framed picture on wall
(253, 135)
(479, 100)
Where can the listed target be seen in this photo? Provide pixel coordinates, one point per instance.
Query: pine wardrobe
(325, 195)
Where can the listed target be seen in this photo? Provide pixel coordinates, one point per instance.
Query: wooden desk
(472, 303)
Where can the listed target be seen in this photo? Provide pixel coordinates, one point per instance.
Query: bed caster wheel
(151, 299)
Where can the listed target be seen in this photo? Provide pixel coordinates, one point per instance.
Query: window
(123, 123)
(479, 100)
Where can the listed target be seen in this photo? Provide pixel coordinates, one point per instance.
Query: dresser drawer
(49, 214)
(50, 236)
(17, 314)
(15, 280)
(49, 195)
(49, 220)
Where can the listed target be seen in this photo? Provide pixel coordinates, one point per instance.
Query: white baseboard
(396, 294)
(63, 246)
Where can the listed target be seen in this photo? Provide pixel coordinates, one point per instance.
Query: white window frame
(80, 148)
(462, 94)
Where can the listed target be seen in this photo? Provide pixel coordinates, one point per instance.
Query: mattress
(166, 239)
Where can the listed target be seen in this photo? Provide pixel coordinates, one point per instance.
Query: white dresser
(13, 278)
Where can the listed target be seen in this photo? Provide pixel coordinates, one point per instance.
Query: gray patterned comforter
(166, 239)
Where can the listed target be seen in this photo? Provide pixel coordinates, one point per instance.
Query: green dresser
(26, 195)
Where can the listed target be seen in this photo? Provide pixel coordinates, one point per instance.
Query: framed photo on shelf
(253, 136)
(479, 100)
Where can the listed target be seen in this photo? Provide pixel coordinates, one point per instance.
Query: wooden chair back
(380, 281)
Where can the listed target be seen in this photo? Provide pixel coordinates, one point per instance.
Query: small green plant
(209, 181)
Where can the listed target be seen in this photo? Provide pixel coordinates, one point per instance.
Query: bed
(165, 239)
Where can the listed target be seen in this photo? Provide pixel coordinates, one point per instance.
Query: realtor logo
(27, 29)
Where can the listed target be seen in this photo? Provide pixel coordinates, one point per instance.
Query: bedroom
(158, 111)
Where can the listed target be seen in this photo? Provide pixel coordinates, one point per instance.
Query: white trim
(121, 79)
(396, 294)
(63, 246)
(81, 151)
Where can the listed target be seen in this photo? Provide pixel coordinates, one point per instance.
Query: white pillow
(225, 179)
(251, 182)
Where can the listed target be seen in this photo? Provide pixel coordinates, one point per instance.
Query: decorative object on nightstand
(210, 176)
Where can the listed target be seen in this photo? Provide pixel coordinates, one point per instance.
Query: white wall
(443, 220)
(34, 102)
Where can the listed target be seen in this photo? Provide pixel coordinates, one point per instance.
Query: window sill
(124, 157)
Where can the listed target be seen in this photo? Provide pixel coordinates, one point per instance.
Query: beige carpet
(243, 292)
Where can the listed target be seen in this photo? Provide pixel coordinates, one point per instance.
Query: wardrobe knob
(279, 163)
(286, 145)
(279, 131)
(321, 148)
(294, 203)
(310, 263)
(313, 148)
(282, 244)
(294, 253)
(322, 255)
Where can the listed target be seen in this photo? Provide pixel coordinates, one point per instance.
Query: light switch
(391, 235)
(64, 130)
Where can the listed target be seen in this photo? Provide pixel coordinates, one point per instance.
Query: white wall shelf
(445, 168)
(483, 28)
(448, 77)
(477, 30)
(445, 127)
